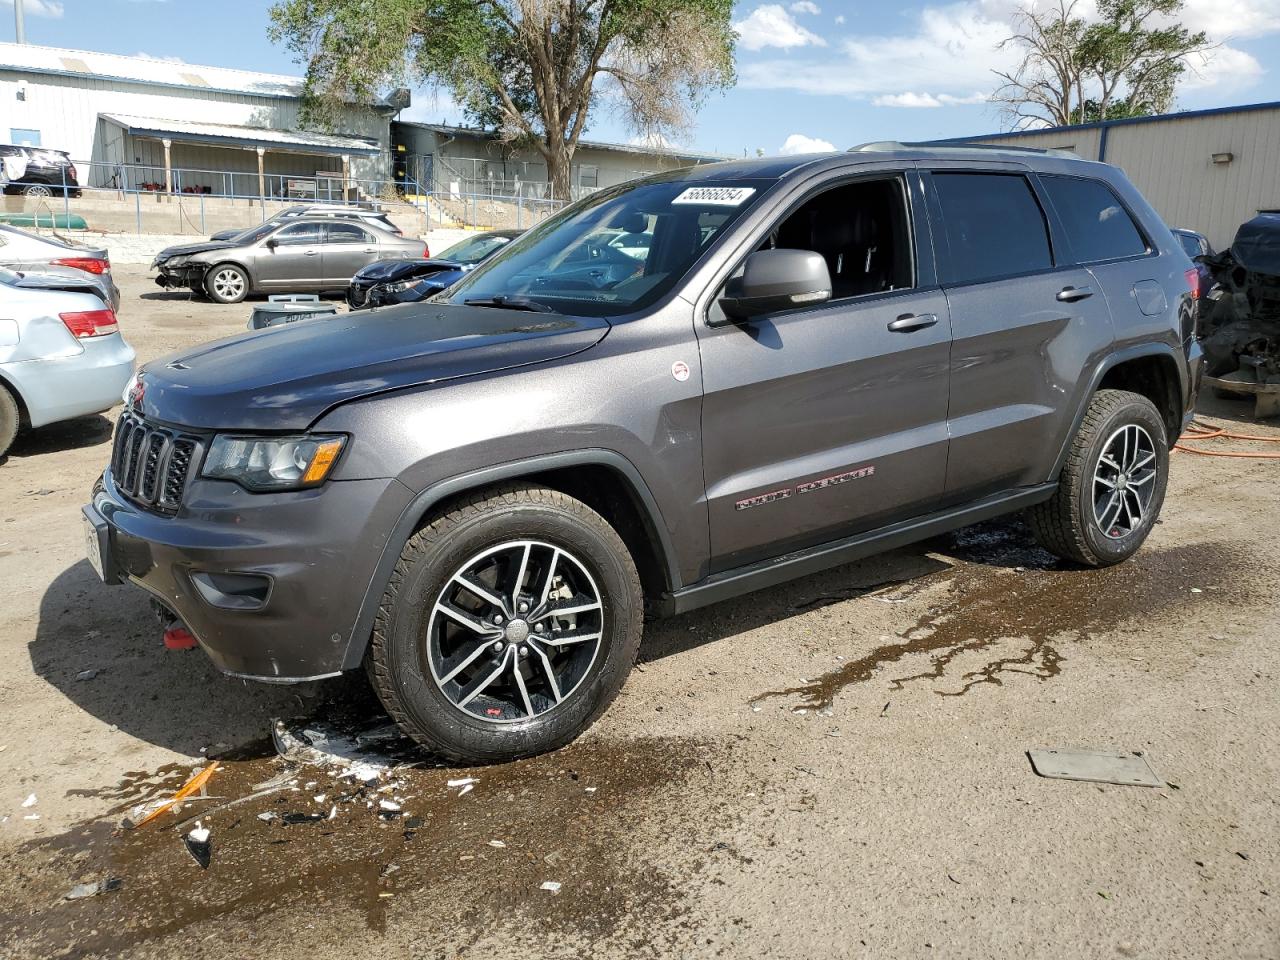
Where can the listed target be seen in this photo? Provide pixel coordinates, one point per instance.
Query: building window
(24, 138)
(588, 176)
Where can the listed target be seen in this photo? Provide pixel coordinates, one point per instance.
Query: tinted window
(301, 233)
(1190, 244)
(993, 225)
(340, 232)
(1097, 224)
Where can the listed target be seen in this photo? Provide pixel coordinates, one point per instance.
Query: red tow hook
(178, 637)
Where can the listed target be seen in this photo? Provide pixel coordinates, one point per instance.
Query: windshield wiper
(510, 303)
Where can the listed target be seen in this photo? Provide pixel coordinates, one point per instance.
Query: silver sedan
(34, 253)
(306, 254)
(61, 356)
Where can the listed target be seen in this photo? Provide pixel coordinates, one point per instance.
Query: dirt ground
(835, 767)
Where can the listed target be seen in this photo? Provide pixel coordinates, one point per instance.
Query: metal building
(129, 121)
(1206, 170)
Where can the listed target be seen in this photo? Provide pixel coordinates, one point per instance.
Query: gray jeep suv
(807, 360)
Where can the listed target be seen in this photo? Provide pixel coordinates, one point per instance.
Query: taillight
(88, 264)
(91, 323)
(72, 170)
(426, 252)
(1193, 282)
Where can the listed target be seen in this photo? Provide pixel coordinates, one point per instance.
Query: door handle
(1072, 294)
(311, 253)
(913, 321)
(370, 249)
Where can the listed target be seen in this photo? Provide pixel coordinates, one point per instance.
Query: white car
(61, 356)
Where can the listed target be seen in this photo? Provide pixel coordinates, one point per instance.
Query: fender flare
(1107, 363)
(423, 502)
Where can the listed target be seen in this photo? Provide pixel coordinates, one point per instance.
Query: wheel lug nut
(539, 627)
(524, 651)
(523, 606)
(497, 618)
(497, 645)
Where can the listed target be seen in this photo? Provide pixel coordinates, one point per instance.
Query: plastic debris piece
(389, 805)
(465, 790)
(266, 817)
(497, 843)
(1094, 766)
(292, 818)
(186, 790)
(319, 797)
(323, 749)
(179, 638)
(461, 783)
(32, 816)
(29, 802)
(333, 812)
(82, 891)
(86, 674)
(592, 789)
(199, 845)
(552, 885)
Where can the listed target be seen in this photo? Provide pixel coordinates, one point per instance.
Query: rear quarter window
(993, 225)
(1097, 225)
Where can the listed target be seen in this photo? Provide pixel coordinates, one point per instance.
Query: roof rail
(885, 146)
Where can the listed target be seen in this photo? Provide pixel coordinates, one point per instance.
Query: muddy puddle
(1015, 602)
(379, 836)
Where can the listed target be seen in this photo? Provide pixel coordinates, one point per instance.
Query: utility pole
(19, 28)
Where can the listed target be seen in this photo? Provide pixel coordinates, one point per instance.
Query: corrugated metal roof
(186, 130)
(169, 73)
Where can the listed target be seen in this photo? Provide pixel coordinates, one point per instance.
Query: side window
(342, 232)
(1097, 224)
(862, 231)
(1190, 244)
(301, 234)
(993, 225)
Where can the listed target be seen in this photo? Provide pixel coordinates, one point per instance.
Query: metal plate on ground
(1094, 766)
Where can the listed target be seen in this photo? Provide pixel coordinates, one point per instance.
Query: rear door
(348, 247)
(1024, 321)
(829, 420)
(294, 262)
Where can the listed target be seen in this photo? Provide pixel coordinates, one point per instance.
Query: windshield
(618, 251)
(474, 249)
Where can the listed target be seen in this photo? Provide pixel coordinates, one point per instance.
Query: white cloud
(805, 6)
(1240, 18)
(840, 19)
(1223, 69)
(52, 9)
(141, 55)
(799, 143)
(911, 99)
(771, 26)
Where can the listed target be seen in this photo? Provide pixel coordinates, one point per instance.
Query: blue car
(409, 281)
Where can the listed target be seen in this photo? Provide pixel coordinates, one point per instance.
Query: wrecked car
(1240, 318)
(477, 500)
(409, 281)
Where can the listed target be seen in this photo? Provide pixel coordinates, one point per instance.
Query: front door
(348, 248)
(294, 262)
(826, 421)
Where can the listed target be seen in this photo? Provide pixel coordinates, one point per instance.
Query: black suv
(802, 361)
(46, 173)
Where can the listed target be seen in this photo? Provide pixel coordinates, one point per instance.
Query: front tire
(508, 627)
(227, 283)
(1112, 486)
(10, 419)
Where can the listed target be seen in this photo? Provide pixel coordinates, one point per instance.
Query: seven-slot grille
(151, 464)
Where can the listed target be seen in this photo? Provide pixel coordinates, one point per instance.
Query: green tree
(1124, 62)
(534, 70)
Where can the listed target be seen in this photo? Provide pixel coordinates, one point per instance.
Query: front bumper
(270, 584)
(189, 275)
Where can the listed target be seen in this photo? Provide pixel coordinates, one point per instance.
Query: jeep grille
(151, 464)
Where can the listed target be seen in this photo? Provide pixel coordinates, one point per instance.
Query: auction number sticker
(715, 196)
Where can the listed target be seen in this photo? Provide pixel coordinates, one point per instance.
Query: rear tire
(227, 283)
(1112, 486)
(10, 418)
(520, 679)
(40, 190)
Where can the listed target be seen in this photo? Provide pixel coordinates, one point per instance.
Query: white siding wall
(65, 111)
(1170, 161)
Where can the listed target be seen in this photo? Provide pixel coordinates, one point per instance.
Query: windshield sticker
(715, 196)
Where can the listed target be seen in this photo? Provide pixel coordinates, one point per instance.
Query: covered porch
(151, 154)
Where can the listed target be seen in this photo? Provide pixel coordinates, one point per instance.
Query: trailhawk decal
(809, 486)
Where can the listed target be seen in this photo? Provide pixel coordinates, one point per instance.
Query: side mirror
(272, 243)
(774, 280)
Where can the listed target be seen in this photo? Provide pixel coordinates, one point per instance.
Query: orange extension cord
(1199, 431)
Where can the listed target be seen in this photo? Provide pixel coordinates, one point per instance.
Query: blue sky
(811, 72)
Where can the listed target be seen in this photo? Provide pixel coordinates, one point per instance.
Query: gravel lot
(835, 767)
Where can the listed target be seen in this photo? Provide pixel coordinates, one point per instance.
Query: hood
(1256, 246)
(285, 377)
(389, 271)
(187, 249)
(222, 235)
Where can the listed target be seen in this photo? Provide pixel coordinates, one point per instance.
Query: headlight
(176, 262)
(402, 285)
(272, 463)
